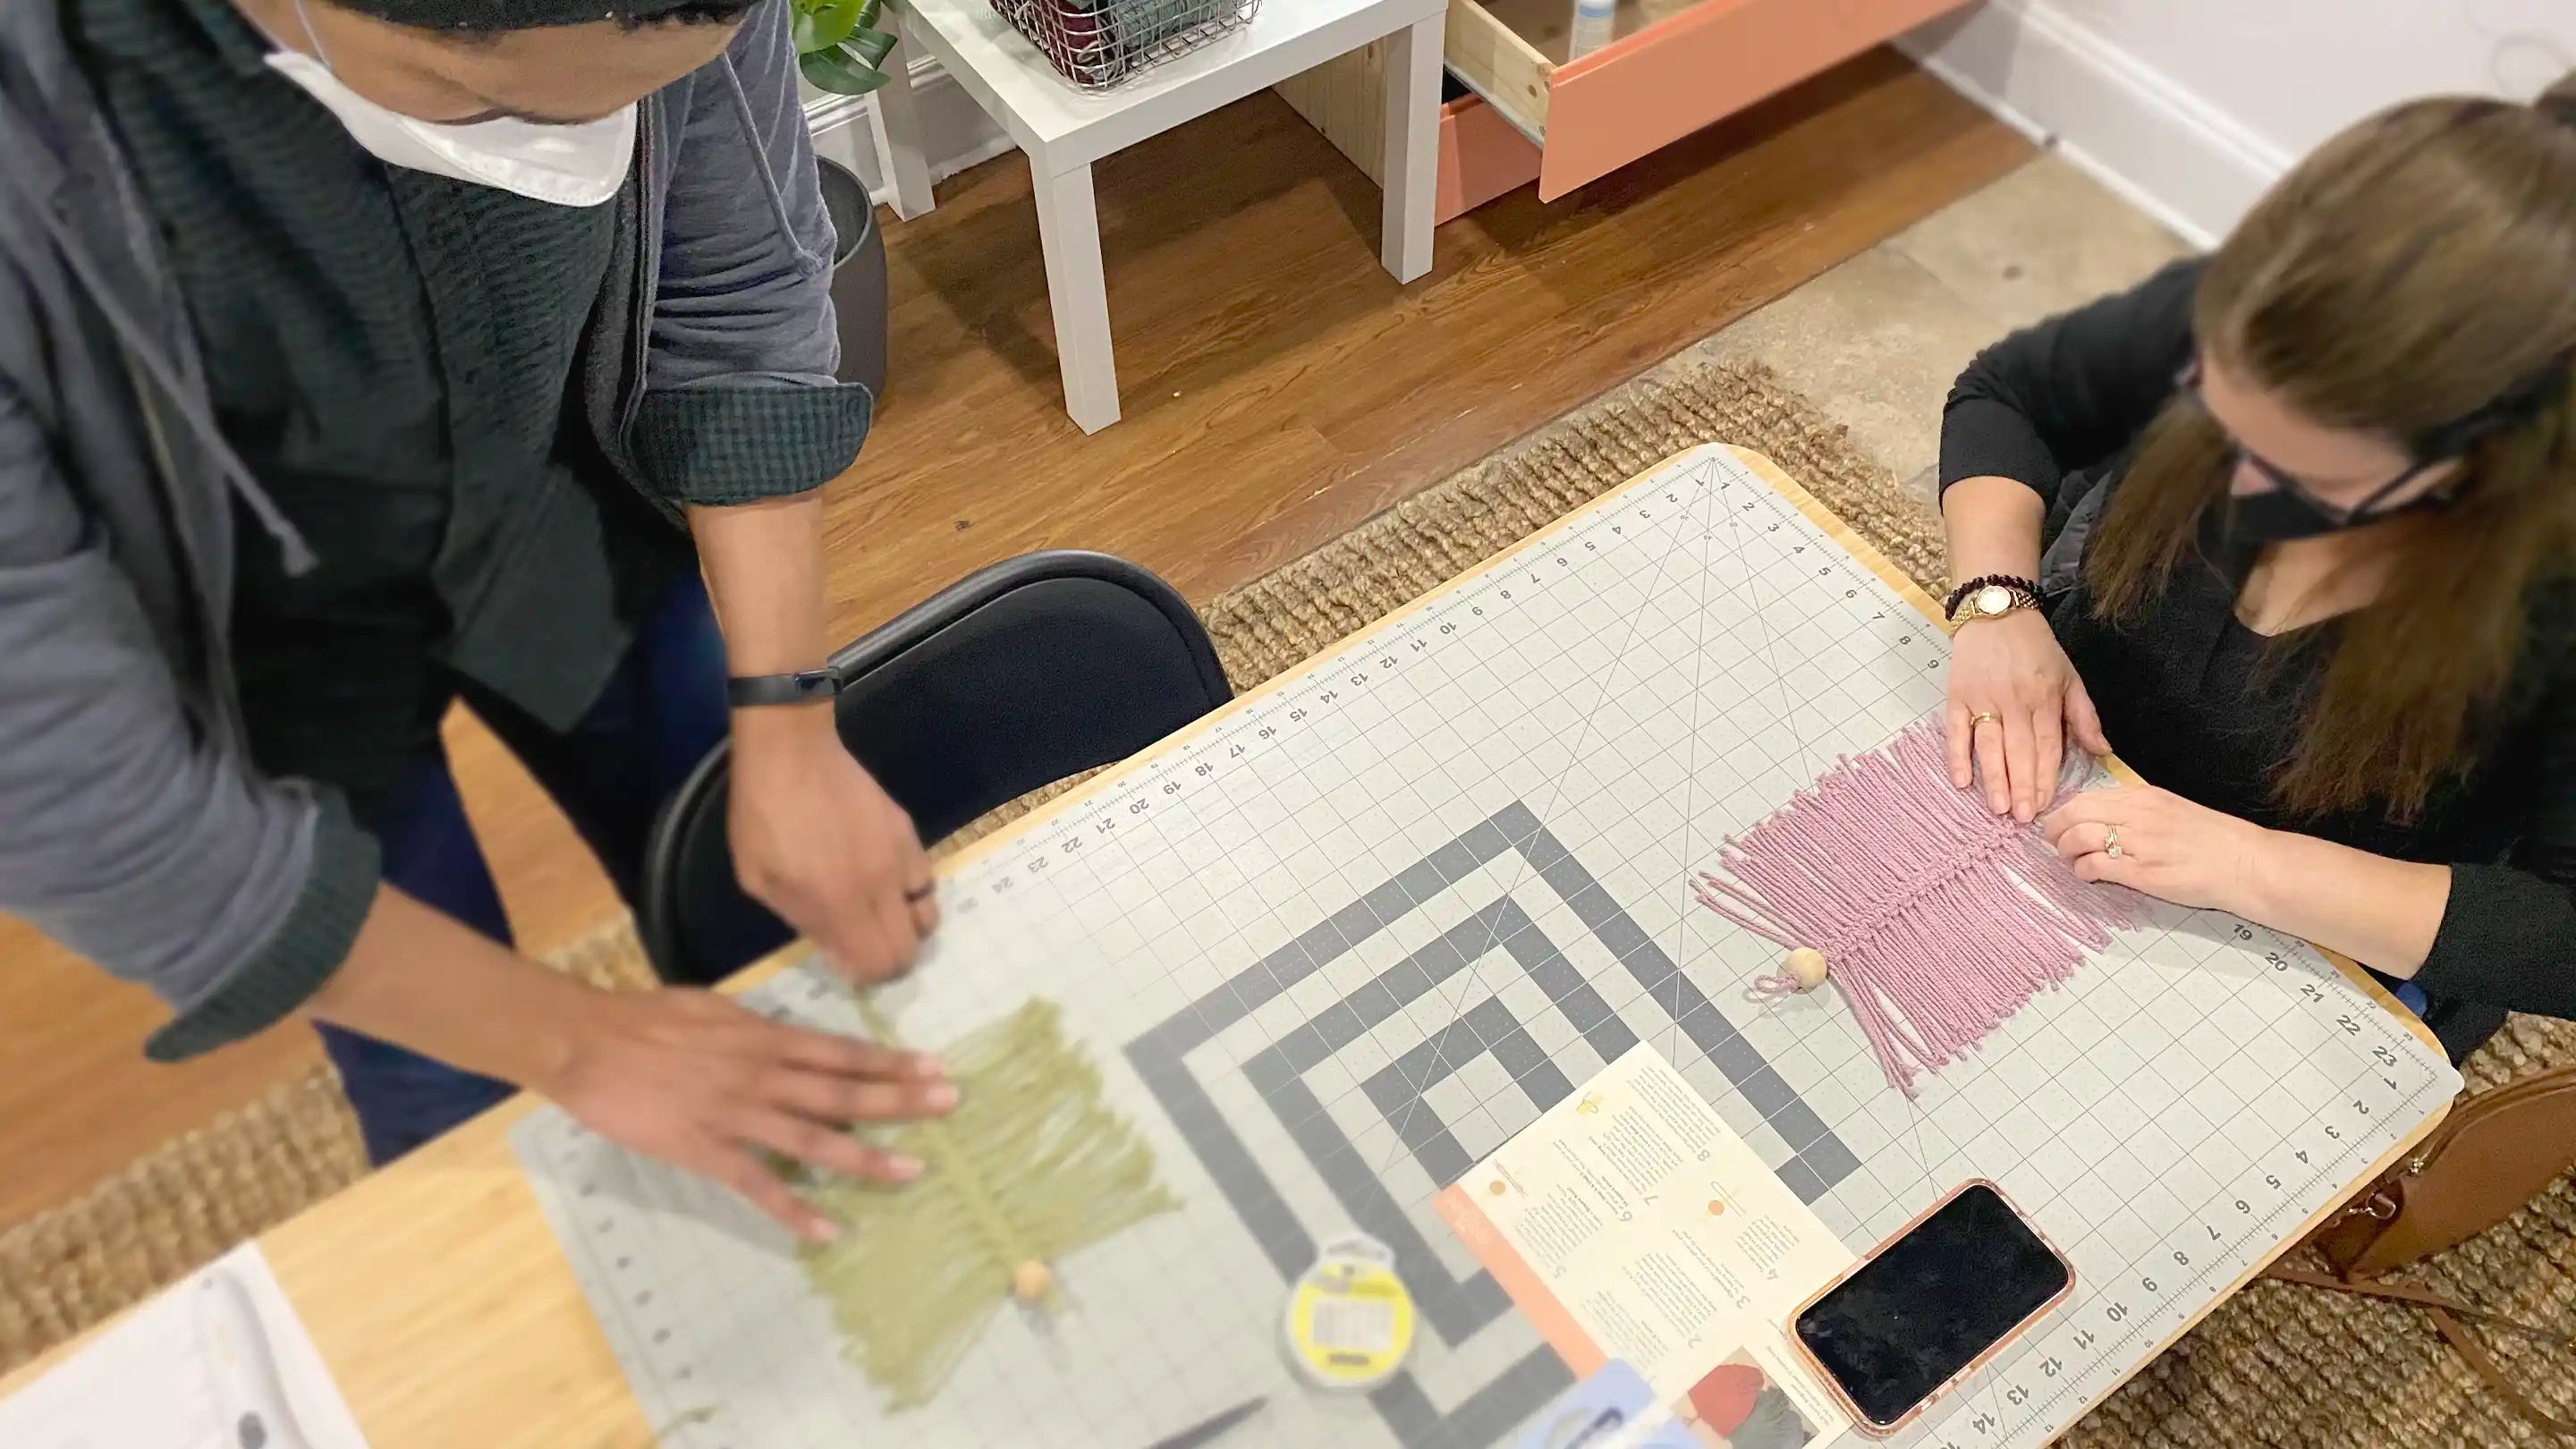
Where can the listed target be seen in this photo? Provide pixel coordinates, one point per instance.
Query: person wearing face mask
(2293, 528)
(362, 356)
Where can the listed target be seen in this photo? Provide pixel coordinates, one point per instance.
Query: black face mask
(2282, 512)
(2286, 510)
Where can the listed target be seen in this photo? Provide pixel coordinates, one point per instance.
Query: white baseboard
(2160, 147)
(955, 131)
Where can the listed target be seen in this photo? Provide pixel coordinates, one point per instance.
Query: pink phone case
(1834, 1386)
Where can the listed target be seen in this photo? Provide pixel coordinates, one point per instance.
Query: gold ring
(2111, 841)
(1984, 716)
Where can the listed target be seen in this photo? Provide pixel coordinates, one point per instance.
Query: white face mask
(578, 165)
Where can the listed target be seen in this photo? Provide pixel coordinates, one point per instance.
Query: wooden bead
(1808, 966)
(1031, 1280)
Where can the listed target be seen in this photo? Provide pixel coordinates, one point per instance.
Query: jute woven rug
(2275, 1366)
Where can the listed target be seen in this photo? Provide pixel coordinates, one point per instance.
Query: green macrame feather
(1031, 1166)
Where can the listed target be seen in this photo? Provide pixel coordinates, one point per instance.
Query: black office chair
(1027, 672)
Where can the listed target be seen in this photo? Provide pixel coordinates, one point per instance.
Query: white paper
(1661, 1235)
(162, 1378)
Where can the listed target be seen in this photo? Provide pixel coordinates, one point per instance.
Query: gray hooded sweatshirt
(133, 827)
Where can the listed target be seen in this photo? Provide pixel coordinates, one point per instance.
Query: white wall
(2192, 107)
(2188, 107)
(956, 133)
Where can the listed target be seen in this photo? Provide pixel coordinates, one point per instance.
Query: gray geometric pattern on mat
(1454, 1308)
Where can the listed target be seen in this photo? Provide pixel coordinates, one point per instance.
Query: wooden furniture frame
(1672, 70)
(1064, 130)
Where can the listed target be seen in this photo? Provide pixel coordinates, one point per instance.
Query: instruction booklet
(1631, 1224)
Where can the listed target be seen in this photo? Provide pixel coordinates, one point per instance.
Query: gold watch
(1993, 601)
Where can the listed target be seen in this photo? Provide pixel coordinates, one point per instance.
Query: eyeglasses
(2188, 381)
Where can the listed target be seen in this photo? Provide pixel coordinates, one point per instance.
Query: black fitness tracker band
(745, 691)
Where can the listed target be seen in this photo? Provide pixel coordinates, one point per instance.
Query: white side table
(1064, 130)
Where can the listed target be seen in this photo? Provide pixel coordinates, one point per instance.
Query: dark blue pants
(659, 715)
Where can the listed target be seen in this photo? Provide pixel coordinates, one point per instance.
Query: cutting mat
(1337, 943)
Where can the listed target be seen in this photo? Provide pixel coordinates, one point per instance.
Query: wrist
(1989, 596)
(2256, 888)
(418, 979)
(768, 729)
(548, 1032)
(792, 686)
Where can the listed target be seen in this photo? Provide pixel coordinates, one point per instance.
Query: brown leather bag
(2497, 1150)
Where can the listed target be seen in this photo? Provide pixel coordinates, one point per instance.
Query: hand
(2014, 700)
(2169, 847)
(706, 1085)
(817, 840)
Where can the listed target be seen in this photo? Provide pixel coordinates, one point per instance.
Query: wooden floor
(1279, 387)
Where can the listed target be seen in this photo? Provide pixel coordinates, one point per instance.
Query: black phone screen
(1906, 1321)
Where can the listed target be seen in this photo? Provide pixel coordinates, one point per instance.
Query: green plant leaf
(836, 71)
(871, 46)
(822, 24)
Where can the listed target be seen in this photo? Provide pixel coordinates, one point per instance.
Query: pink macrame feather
(1936, 918)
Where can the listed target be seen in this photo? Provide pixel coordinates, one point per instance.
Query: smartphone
(1929, 1304)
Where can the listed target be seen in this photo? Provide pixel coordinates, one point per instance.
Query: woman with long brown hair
(2294, 529)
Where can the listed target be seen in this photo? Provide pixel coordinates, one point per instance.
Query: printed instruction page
(1630, 1223)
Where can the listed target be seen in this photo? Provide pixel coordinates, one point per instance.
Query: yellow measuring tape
(1350, 1320)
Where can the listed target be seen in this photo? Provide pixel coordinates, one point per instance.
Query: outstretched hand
(817, 840)
(686, 1076)
(707, 1085)
(2157, 842)
(2014, 703)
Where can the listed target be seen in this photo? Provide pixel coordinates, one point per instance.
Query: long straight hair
(2418, 269)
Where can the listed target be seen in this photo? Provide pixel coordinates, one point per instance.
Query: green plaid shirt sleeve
(725, 443)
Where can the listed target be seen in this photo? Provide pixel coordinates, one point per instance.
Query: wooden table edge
(1896, 578)
(299, 1248)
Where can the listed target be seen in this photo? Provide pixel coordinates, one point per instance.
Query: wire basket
(1097, 44)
